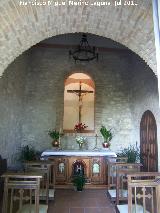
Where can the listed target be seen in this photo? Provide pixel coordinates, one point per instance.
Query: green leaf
(107, 134)
(132, 153)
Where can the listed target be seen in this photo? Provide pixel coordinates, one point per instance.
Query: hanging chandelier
(84, 52)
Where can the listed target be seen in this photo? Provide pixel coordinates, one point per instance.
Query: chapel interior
(43, 88)
(32, 91)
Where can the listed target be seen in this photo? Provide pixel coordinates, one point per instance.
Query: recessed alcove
(79, 102)
(78, 168)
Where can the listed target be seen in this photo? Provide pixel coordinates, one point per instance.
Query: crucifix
(80, 93)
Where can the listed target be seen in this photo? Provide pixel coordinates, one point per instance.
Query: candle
(60, 130)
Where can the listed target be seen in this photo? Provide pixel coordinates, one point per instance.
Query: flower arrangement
(80, 139)
(80, 127)
(55, 135)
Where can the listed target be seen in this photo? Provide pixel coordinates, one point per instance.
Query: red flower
(80, 127)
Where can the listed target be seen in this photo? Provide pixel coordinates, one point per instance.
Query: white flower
(80, 139)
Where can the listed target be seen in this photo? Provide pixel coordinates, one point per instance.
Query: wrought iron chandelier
(84, 52)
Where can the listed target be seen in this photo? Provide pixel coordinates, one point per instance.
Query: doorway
(148, 142)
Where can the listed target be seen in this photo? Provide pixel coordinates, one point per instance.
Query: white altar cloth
(50, 152)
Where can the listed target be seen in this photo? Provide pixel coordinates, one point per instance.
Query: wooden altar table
(92, 164)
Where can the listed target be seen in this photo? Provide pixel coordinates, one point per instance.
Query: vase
(105, 145)
(55, 143)
(80, 146)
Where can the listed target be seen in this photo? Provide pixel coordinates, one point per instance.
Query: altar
(50, 152)
(92, 164)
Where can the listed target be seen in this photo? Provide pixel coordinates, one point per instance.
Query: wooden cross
(80, 94)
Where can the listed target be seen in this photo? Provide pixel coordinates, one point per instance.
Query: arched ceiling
(23, 26)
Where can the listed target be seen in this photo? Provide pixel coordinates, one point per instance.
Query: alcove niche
(79, 102)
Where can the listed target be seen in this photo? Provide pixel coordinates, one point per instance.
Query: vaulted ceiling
(23, 26)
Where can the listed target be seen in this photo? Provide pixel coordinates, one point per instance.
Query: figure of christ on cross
(80, 93)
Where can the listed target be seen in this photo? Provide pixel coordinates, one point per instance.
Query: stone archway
(24, 26)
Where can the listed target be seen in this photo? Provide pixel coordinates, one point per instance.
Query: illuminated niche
(79, 98)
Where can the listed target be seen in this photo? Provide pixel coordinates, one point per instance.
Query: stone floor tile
(87, 201)
(99, 210)
(58, 209)
(76, 210)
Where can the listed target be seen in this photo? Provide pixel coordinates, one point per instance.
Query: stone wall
(12, 86)
(24, 26)
(143, 95)
(45, 90)
(32, 91)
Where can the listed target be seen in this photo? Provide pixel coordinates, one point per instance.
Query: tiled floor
(87, 201)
